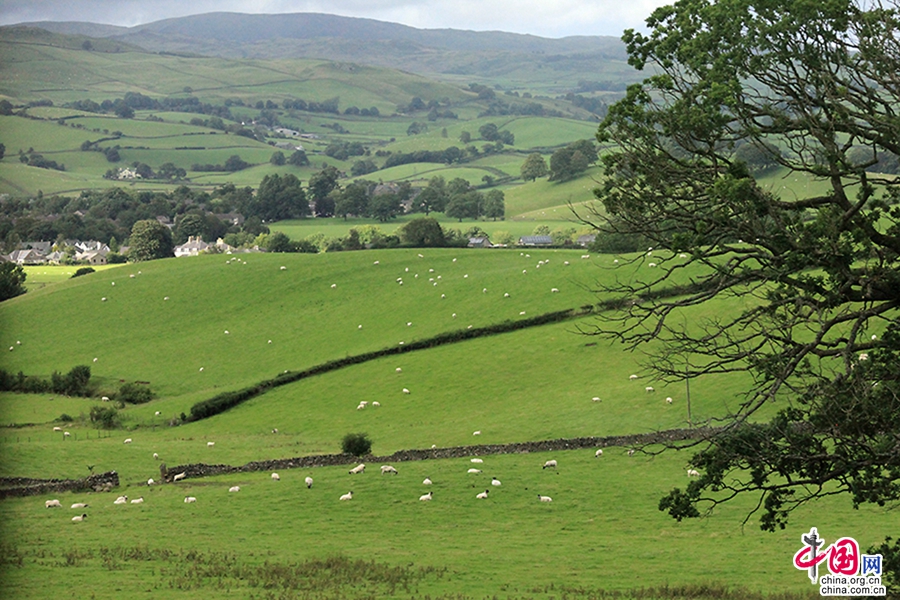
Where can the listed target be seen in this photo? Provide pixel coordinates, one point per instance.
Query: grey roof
(536, 240)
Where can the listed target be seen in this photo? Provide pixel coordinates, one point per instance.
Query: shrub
(65, 418)
(134, 393)
(356, 444)
(105, 417)
(82, 271)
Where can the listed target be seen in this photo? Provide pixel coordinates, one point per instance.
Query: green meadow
(602, 530)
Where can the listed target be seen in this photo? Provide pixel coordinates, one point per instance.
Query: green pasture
(601, 531)
(40, 276)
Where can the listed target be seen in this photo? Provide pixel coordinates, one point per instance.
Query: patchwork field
(602, 530)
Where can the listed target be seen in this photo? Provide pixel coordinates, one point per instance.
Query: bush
(65, 418)
(82, 271)
(134, 393)
(105, 417)
(356, 444)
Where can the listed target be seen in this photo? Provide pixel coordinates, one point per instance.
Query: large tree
(807, 277)
(280, 197)
(12, 280)
(150, 240)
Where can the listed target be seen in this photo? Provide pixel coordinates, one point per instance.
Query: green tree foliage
(104, 417)
(759, 158)
(812, 279)
(2, 151)
(320, 186)
(83, 271)
(150, 240)
(278, 158)
(534, 166)
(468, 205)
(571, 161)
(357, 444)
(423, 232)
(298, 159)
(353, 200)
(280, 197)
(12, 280)
(433, 198)
(385, 207)
(134, 393)
(494, 206)
(278, 242)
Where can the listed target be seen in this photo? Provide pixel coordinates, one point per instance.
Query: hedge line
(226, 400)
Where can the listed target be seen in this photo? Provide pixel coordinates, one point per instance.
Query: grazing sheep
(682, 255)
(585, 256)
(226, 332)
(595, 399)
(283, 268)
(545, 498)
(495, 482)
(426, 497)
(127, 441)
(309, 482)
(348, 496)
(234, 488)
(482, 495)
(358, 469)
(150, 481)
(66, 434)
(360, 406)
(398, 370)
(201, 369)
(388, 469)
(166, 298)
(598, 453)
(554, 290)
(405, 391)
(52, 504)
(476, 460)
(506, 295)
(376, 403)
(210, 444)
(651, 265)
(426, 481)
(180, 476)
(476, 432)
(79, 505)
(669, 400)
(105, 398)
(57, 429)
(139, 500)
(474, 471)
(155, 456)
(864, 356)
(78, 518)
(275, 430)
(333, 285)
(632, 377)
(102, 299)
(189, 499)
(631, 452)
(157, 413)
(649, 389)
(121, 500)
(550, 464)
(276, 477)
(693, 473)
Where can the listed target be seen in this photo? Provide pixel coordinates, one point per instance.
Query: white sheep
(550, 464)
(598, 453)
(189, 499)
(631, 452)
(79, 505)
(405, 390)
(276, 477)
(210, 444)
(150, 481)
(693, 473)
(105, 398)
(388, 469)
(376, 403)
(476, 432)
(554, 290)
(234, 488)
(57, 429)
(139, 500)
(309, 482)
(358, 469)
(632, 377)
(78, 518)
(651, 265)
(649, 389)
(127, 441)
(360, 406)
(121, 500)
(333, 285)
(427, 481)
(669, 400)
(155, 456)
(283, 268)
(66, 434)
(52, 504)
(398, 370)
(474, 471)
(495, 482)
(426, 497)
(476, 460)
(347, 496)
(595, 399)
(180, 476)
(545, 498)
(482, 495)
(157, 413)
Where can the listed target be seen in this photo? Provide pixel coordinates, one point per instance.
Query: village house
(193, 247)
(535, 240)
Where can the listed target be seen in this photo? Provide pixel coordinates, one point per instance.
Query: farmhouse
(535, 240)
(193, 247)
(586, 240)
(479, 242)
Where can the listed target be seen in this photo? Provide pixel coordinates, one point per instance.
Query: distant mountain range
(595, 61)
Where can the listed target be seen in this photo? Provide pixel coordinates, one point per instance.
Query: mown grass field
(602, 529)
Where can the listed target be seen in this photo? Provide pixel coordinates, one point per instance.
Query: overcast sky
(546, 18)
